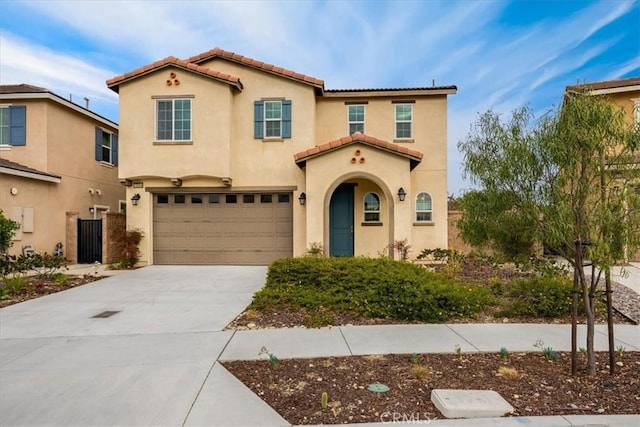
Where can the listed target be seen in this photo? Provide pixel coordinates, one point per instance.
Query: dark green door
(341, 221)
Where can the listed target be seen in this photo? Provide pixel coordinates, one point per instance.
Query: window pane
(372, 216)
(165, 120)
(356, 127)
(423, 216)
(403, 112)
(196, 199)
(371, 202)
(283, 198)
(183, 119)
(356, 113)
(106, 154)
(272, 110)
(266, 198)
(179, 198)
(163, 198)
(248, 198)
(231, 198)
(214, 198)
(423, 202)
(403, 130)
(272, 129)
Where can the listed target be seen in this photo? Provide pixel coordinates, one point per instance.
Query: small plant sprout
(549, 352)
(621, 350)
(324, 400)
(273, 360)
(414, 359)
(504, 354)
(458, 351)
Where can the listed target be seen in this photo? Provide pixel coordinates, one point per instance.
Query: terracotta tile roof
(413, 155)
(609, 84)
(240, 59)
(22, 88)
(18, 167)
(171, 60)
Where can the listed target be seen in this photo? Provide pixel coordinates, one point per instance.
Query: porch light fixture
(402, 194)
(302, 199)
(135, 199)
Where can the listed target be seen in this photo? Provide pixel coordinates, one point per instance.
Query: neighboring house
(232, 160)
(56, 157)
(623, 93)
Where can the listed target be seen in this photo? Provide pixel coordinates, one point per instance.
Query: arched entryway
(359, 216)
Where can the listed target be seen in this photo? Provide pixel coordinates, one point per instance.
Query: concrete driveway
(144, 365)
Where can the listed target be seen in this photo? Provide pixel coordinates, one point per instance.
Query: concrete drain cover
(104, 314)
(470, 403)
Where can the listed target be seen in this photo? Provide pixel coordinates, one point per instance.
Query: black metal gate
(89, 240)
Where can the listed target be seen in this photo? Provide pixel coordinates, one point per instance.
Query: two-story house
(231, 160)
(623, 94)
(56, 158)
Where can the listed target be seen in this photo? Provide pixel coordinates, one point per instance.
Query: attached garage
(222, 228)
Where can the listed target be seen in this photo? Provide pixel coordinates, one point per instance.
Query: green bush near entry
(537, 296)
(371, 287)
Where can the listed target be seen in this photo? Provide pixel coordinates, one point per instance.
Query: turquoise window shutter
(114, 150)
(18, 125)
(258, 119)
(98, 144)
(286, 119)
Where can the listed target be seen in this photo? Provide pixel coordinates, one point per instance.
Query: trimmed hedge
(372, 287)
(537, 296)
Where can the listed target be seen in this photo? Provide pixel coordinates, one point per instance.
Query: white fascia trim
(615, 90)
(60, 100)
(31, 175)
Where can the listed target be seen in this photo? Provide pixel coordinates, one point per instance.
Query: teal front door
(341, 221)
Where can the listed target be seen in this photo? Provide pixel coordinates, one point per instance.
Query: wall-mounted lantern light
(91, 210)
(302, 199)
(135, 199)
(402, 194)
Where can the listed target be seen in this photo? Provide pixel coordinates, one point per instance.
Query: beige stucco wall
(60, 141)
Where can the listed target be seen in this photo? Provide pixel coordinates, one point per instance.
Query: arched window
(371, 207)
(424, 208)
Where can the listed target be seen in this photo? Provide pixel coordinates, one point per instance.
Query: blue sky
(500, 54)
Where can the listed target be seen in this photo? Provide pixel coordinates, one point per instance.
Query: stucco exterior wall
(60, 141)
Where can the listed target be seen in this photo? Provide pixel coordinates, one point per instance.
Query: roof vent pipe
(86, 102)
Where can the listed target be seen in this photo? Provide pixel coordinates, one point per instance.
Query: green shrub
(61, 279)
(14, 284)
(375, 288)
(537, 296)
(44, 264)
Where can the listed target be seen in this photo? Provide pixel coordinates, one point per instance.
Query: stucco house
(227, 159)
(56, 158)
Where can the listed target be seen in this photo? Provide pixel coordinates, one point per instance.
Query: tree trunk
(574, 322)
(590, 318)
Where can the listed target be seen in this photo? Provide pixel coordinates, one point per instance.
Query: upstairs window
(13, 125)
(272, 119)
(371, 207)
(173, 120)
(106, 147)
(424, 207)
(356, 119)
(404, 116)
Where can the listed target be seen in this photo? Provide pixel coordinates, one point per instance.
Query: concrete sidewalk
(155, 361)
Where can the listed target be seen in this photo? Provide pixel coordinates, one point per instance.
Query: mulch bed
(543, 387)
(37, 287)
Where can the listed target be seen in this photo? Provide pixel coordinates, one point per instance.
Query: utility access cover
(104, 314)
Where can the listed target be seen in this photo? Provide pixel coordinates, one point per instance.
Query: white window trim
(364, 117)
(6, 144)
(266, 120)
(173, 120)
(110, 161)
(365, 211)
(395, 116)
(636, 109)
(416, 210)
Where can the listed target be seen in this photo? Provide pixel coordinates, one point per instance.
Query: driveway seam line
(186, 417)
(345, 341)
(468, 342)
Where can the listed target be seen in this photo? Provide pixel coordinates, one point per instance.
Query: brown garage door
(222, 228)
